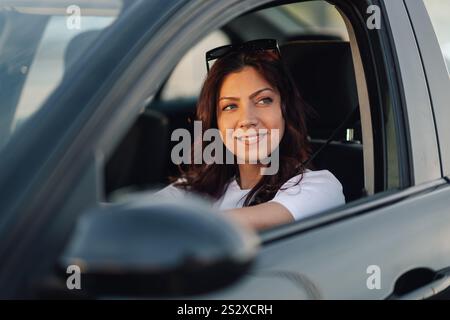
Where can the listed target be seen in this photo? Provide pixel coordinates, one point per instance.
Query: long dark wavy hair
(211, 180)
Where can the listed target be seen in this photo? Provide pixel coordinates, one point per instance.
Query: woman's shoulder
(310, 192)
(310, 178)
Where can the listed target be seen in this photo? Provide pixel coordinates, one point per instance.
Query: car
(90, 92)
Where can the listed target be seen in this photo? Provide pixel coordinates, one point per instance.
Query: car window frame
(360, 206)
(423, 145)
(436, 73)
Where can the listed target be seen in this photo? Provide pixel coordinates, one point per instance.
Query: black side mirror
(157, 249)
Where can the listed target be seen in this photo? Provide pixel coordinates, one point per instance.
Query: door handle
(426, 291)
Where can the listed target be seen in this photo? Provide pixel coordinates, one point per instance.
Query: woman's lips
(250, 139)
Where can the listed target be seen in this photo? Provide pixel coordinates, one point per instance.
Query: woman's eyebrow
(251, 96)
(254, 94)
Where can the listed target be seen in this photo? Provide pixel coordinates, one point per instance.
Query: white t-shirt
(316, 192)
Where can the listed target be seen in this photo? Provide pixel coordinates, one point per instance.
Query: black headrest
(324, 74)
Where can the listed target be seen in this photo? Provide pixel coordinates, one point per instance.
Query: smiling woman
(249, 97)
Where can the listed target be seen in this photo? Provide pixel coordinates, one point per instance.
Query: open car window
(358, 145)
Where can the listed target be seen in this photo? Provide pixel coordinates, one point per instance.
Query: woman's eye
(229, 107)
(265, 101)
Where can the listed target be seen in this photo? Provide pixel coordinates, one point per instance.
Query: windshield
(39, 40)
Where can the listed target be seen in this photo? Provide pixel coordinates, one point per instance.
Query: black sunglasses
(253, 45)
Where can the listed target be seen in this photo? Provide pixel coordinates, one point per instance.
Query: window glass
(47, 69)
(439, 12)
(393, 174)
(39, 40)
(318, 17)
(187, 78)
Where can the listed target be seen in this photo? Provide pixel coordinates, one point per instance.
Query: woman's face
(249, 115)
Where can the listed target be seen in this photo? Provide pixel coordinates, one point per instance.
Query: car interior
(315, 47)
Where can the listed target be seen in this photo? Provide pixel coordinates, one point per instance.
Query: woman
(250, 98)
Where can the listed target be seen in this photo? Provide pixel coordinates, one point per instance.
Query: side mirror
(157, 249)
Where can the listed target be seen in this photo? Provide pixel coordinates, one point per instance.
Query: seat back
(324, 74)
(139, 160)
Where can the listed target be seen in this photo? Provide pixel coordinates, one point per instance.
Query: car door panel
(333, 260)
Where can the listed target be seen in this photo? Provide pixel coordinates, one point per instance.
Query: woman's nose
(248, 117)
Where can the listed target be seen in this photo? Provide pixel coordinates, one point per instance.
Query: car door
(30, 182)
(394, 246)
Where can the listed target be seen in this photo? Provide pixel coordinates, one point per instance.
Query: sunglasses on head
(253, 45)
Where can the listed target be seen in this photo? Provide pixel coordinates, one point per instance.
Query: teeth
(250, 138)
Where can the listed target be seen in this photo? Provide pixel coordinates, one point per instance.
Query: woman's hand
(261, 216)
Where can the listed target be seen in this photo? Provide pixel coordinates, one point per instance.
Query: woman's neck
(249, 175)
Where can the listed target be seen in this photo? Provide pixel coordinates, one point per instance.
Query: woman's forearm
(261, 216)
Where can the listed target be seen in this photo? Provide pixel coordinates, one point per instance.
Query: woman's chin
(250, 158)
